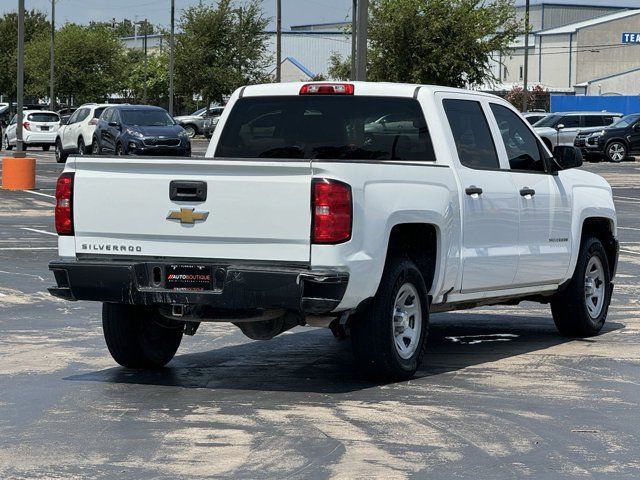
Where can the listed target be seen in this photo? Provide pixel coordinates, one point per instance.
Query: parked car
(562, 128)
(39, 129)
(139, 130)
(614, 142)
(194, 124)
(533, 117)
(306, 221)
(76, 132)
(211, 121)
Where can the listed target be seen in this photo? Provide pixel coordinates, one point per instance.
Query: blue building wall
(618, 104)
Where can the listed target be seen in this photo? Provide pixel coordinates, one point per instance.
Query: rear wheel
(119, 149)
(580, 310)
(389, 337)
(61, 157)
(95, 147)
(616, 151)
(139, 337)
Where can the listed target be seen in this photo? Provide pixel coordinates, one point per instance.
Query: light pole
(52, 97)
(278, 40)
(354, 39)
(171, 45)
(363, 20)
(144, 24)
(526, 58)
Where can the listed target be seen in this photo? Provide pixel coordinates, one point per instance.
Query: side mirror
(560, 126)
(636, 127)
(114, 124)
(567, 157)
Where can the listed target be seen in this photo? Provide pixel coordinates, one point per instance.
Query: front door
(489, 199)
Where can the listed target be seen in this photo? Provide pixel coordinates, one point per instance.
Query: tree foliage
(157, 77)
(36, 24)
(339, 69)
(125, 27)
(221, 48)
(443, 42)
(538, 97)
(89, 63)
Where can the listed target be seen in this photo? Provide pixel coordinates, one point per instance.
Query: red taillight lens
(26, 125)
(93, 121)
(332, 211)
(327, 89)
(64, 204)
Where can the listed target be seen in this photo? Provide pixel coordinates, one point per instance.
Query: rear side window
(471, 133)
(43, 117)
(327, 127)
(608, 120)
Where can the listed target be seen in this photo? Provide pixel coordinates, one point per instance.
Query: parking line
(627, 198)
(629, 228)
(39, 231)
(629, 251)
(41, 194)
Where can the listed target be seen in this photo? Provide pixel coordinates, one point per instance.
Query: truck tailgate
(254, 210)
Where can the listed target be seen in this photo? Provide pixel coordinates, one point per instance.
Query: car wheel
(191, 130)
(61, 157)
(119, 149)
(581, 308)
(6, 145)
(389, 337)
(138, 337)
(45, 148)
(616, 152)
(95, 147)
(81, 147)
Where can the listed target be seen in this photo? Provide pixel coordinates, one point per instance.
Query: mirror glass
(567, 157)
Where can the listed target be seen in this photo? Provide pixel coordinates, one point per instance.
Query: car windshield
(146, 118)
(625, 121)
(548, 121)
(43, 117)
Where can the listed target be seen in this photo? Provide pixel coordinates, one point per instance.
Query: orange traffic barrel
(18, 173)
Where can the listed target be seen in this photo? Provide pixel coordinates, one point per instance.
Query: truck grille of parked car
(162, 142)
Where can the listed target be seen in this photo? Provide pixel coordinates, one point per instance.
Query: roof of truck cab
(384, 89)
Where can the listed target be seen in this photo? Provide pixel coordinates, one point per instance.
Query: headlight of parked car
(135, 133)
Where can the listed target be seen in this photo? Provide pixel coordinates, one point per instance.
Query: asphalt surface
(501, 394)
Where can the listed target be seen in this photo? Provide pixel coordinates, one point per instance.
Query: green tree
(443, 42)
(157, 77)
(221, 48)
(89, 63)
(36, 23)
(339, 69)
(125, 28)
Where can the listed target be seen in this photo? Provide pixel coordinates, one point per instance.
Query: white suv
(76, 133)
(39, 129)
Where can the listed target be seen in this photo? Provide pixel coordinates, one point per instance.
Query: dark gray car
(194, 124)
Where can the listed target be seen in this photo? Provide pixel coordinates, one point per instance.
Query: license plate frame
(189, 277)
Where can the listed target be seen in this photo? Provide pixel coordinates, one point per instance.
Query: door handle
(473, 190)
(526, 191)
(188, 191)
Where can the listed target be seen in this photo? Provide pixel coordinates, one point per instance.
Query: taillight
(64, 204)
(93, 121)
(26, 125)
(327, 89)
(332, 211)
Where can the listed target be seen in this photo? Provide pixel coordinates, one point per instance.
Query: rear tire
(390, 336)
(580, 310)
(138, 337)
(95, 148)
(61, 157)
(82, 149)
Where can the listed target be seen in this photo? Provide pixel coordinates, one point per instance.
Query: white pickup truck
(362, 207)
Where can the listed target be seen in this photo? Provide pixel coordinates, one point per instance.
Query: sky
(294, 12)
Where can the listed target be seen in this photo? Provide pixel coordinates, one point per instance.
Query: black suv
(139, 130)
(614, 142)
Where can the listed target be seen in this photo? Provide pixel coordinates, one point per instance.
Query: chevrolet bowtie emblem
(187, 215)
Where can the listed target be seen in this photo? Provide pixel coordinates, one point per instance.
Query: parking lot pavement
(501, 395)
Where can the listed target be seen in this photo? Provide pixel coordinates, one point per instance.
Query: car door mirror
(560, 126)
(567, 157)
(64, 120)
(114, 124)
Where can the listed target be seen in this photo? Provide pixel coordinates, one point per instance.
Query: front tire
(6, 145)
(61, 157)
(616, 152)
(139, 337)
(119, 150)
(580, 310)
(190, 130)
(389, 338)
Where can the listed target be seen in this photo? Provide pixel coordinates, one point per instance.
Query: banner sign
(631, 37)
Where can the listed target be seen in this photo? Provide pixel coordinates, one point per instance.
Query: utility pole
(144, 96)
(171, 45)
(361, 48)
(525, 89)
(52, 101)
(278, 41)
(354, 40)
(19, 153)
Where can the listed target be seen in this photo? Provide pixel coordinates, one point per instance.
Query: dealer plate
(189, 277)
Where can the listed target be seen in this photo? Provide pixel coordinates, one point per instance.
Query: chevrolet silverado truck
(302, 213)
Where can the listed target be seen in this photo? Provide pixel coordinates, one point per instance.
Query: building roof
(574, 27)
(304, 69)
(581, 3)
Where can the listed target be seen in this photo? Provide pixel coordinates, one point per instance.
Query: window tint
(570, 121)
(521, 144)
(471, 133)
(43, 117)
(593, 121)
(326, 127)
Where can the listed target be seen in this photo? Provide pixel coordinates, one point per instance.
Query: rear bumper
(40, 138)
(239, 288)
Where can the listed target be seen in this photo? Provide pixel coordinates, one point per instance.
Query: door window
(593, 121)
(13, 120)
(570, 121)
(83, 113)
(521, 144)
(107, 115)
(471, 133)
(608, 120)
(73, 118)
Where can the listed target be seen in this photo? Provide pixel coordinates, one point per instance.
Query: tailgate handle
(188, 191)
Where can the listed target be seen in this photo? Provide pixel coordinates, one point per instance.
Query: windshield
(625, 121)
(326, 127)
(146, 118)
(548, 121)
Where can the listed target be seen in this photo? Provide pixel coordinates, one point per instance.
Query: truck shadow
(315, 362)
